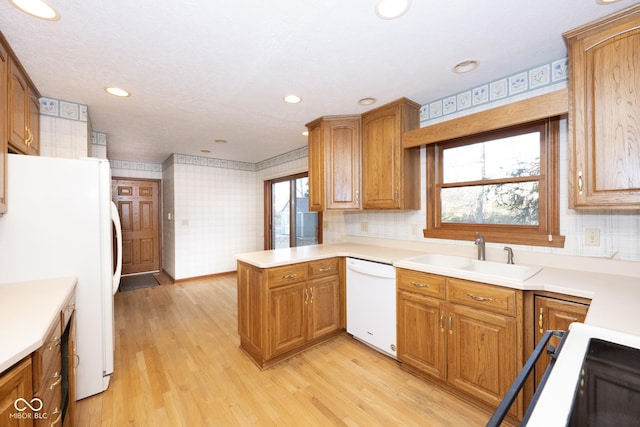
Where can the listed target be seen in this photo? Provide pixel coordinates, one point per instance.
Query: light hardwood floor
(178, 363)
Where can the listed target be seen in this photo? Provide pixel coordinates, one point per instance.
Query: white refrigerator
(60, 222)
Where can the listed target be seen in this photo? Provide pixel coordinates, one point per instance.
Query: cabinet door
(342, 163)
(15, 384)
(18, 93)
(4, 66)
(70, 412)
(33, 128)
(421, 334)
(381, 159)
(604, 134)
(554, 314)
(316, 167)
(482, 353)
(324, 306)
(390, 174)
(287, 318)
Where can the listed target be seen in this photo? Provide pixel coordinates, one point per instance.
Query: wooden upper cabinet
(4, 65)
(334, 163)
(390, 174)
(23, 112)
(604, 132)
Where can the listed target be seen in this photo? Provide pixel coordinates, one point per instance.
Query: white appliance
(371, 304)
(59, 223)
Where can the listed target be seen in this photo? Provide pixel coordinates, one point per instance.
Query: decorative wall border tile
(134, 165)
(64, 109)
(290, 156)
(98, 138)
(518, 84)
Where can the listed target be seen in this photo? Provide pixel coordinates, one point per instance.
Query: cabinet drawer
(421, 283)
(287, 274)
(48, 355)
(323, 267)
(491, 298)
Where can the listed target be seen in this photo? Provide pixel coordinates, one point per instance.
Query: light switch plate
(592, 237)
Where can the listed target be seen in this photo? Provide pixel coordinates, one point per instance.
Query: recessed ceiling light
(116, 91)
(367, 101)
(606, 1)
(292, 99)
(392, 9)
(465, 66)
(220, 141)
(305, 133)
(205, 151)
(37, 8)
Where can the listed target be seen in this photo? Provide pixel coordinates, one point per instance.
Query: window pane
(280, 214)
(306, 222)
(514, 204)
(515, 156)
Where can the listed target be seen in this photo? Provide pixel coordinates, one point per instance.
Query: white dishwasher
(371, 304)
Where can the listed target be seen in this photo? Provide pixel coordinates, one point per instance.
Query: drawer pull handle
(420, 285)
(289, 276)
(324, 270)
(58, 380)
(478, 298)
(54, 343)
(57, 420)
(541, 320)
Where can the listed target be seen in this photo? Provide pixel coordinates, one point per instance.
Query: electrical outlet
(414, 229)
(364, 226)
(325, 224)
(592, 237)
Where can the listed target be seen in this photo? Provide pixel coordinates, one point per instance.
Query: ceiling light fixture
(292, 99)
(392, 9)
(367, 101)
(465, 66)
(37, 8)
(205, 151)
(606, 1)
(116, 91)
(220, 141)
(305, 133)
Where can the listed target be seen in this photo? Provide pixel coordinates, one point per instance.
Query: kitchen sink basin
(471, 269)
(502, 270)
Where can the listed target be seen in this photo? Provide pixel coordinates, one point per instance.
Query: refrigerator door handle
(115, 217)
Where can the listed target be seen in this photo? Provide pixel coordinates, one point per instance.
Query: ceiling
(205, 70)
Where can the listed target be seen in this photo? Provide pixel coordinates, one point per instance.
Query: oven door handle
(502, 409)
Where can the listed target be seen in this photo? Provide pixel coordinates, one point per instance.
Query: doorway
(288, 221)
(138, 202)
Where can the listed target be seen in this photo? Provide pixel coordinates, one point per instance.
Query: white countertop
(27, 310)
(612, 315)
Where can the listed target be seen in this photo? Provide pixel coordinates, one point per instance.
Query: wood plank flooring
(178, 363)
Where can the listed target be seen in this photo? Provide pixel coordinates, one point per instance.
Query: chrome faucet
(480, 244)
(509, 254)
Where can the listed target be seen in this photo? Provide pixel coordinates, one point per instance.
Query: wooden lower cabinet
(16, 384)
(283, 310)
(469, 338)
(554, 313)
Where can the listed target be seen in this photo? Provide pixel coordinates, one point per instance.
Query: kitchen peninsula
(613, 298)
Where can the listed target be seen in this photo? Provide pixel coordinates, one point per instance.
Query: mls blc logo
(22, 405)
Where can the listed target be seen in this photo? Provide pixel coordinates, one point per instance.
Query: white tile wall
(63, 138)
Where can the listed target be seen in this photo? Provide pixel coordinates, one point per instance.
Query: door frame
(160, 216)
(268, 214)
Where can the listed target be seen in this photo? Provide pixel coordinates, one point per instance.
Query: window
(288, 221)
(503, 184)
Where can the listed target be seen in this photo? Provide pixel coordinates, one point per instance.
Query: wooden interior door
(138, 206)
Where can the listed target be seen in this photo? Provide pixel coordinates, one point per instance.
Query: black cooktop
(608, 390)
